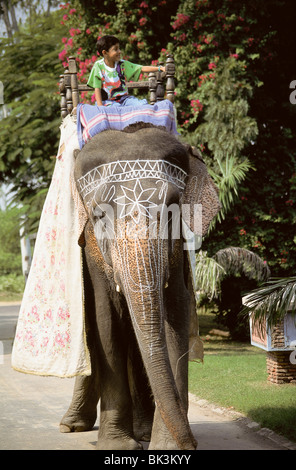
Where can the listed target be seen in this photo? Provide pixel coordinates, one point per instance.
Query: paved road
(32, 406)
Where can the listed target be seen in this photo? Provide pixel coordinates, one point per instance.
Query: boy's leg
(133, 101)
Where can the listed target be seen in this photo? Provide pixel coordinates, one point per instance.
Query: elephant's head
(132, 186)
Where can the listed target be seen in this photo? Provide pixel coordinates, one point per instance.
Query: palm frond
(231, 173)
(270, 302)
(208, 275)
(236, 260)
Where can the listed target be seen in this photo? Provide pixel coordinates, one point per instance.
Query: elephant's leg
(116, 409)
(82, 412)
(177, 329)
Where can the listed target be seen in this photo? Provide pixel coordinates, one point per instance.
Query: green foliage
(10, 251)
(236, 378)
(29, 134)
(226, 277)
(233, 69)
(11, 284)
(250, 393)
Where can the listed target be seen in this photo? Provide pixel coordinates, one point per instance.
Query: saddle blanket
(50, 335)
(92, 119)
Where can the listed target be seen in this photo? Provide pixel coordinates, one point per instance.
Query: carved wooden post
(170, 73)
(159, 87)
(67, 80)
(152, 87)
(63, 97)
(74, 81)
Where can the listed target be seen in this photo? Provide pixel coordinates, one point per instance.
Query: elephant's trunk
(142, 271)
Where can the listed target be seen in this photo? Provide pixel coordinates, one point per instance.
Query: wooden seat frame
(158, 84)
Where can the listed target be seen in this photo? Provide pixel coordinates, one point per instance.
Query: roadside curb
(9, 303)
(244, 420)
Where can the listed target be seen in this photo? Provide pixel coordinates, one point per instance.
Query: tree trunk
(4, 6)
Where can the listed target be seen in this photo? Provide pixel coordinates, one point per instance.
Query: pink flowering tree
(227, 54)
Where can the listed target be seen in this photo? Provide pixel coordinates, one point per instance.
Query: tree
(11, 25)
(226, 277)
(30, 131)
(233, 72)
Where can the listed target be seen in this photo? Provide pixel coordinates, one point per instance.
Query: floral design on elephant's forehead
(100, 177)
(136, 201)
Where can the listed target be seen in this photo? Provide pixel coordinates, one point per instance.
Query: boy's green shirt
(107, 78)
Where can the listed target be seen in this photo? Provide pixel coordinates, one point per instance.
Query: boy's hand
(152, 68)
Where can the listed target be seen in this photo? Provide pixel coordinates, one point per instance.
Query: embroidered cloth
(50, 335)
(92, 119)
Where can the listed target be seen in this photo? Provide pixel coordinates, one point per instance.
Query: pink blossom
(197, 24)
(88, 31)
(290, 202)
(62, 54)
(74, 31)
(196, 106)
(180, 21)
(142, 21)
(72, 11)
(212, 65)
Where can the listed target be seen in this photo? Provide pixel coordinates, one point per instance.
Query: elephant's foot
(161, 437)
(142, 430)
(73, 421)
(126, 443)
(163, 444)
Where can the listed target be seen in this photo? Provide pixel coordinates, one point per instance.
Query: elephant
(139, 296)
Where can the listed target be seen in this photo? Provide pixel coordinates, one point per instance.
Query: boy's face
(113, 54)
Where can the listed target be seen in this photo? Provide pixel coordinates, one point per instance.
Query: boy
(109, 74)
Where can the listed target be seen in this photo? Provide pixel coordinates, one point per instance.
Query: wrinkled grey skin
(137, 336)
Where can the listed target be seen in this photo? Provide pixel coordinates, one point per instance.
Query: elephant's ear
(200, 189)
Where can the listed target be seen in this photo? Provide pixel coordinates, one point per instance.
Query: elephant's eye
(98, 214)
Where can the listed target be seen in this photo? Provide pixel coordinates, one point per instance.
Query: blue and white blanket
(92, 119)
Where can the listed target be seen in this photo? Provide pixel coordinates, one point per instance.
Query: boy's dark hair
(105, 42)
